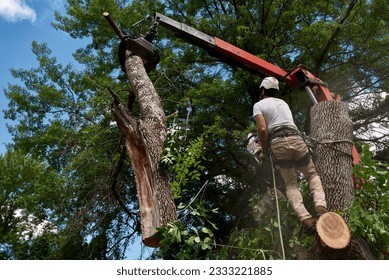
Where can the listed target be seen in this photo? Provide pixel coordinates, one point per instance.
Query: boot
(320, 210)
(310, 224)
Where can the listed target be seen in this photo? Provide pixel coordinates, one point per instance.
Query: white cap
(269, 82)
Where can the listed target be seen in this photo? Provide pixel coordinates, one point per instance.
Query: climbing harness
(283, 131)
(286, 131)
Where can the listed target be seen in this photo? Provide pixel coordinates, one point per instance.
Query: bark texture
(145, 138)
(332, 127)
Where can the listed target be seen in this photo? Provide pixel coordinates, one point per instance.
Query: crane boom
(316, 89)
(223, 50)
(233, 55)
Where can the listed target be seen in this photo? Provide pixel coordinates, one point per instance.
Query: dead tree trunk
(145, 138)
(333, 130)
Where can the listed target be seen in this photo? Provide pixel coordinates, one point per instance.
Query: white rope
(193, 200)
(278, 209)
(326, 143)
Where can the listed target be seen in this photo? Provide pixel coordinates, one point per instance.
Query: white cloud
(30, 227)
(16, 10)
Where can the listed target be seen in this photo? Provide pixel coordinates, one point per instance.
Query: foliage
(64, 120)
(183, 162)
(369, 216)
(191, 237)
(61, 116)
(30, 194)
(262, 241)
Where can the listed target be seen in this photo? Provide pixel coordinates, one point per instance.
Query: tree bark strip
(145, 138)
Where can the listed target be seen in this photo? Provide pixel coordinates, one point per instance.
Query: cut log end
(333, 231)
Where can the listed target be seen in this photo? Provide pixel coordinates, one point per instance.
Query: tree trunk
(332, 127)
(145, 138)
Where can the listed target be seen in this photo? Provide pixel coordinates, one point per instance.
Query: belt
(286, 131)
(283, 131)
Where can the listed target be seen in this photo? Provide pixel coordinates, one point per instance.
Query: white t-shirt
(275, 111)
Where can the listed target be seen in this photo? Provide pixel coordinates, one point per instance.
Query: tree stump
(333, 231)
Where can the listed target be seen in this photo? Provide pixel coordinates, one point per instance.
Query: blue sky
(21, 22)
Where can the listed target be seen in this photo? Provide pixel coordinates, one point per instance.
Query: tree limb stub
(145, 138)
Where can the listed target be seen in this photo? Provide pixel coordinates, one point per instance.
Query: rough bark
(145, 138)
(333, 130)
(332, 127)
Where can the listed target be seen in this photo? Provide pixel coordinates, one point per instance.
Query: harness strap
(286, 131)
(283, 131)
(293, 163)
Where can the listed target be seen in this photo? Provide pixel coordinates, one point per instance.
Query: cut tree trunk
(333, 231)
(145, 138)
(332, 127)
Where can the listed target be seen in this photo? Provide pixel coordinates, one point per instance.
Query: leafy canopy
(62, 112)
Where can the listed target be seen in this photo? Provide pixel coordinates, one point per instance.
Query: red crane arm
(235, 56)
(316, 89)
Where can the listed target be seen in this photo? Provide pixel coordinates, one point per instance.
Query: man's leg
(293, 193)
(307, 167)
(315, 185)
(282, 151)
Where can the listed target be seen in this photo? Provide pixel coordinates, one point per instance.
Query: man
(279, 135)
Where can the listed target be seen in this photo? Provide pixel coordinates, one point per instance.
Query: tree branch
(327, 47)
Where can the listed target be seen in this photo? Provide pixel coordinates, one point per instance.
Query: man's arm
(262, 132)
